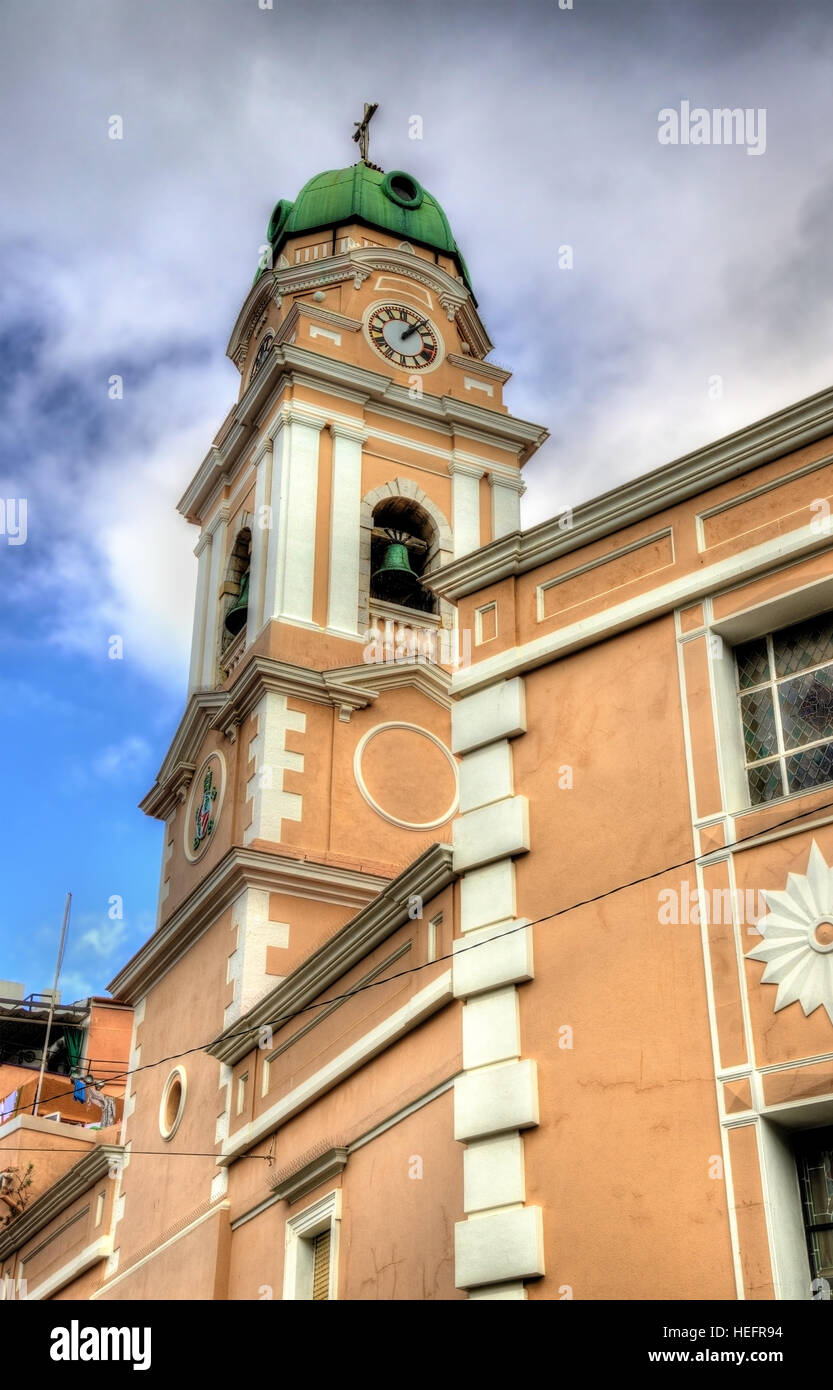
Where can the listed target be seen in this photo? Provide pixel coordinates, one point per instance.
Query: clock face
(265, 344)
(404, 336)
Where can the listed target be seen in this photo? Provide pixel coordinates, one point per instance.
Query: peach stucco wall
(620, 1161)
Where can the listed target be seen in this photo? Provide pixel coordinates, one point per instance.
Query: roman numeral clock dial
(404, 337)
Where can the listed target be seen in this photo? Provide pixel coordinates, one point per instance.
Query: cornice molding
(426, 877)
(474, 364)
(238, 870)
(356, 264)
(374, 677)
(288, 364)
(345, 689)
(57, 1198)
(358, 434)
(321, 1169)
(262, 450)
(302, 309)
(254, 306)
(469, 470)
(283, 368)
(173, 778)
(218, 519)
(262, 673)
(795, 427)
(514, 484)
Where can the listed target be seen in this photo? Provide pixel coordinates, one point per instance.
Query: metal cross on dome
(362, 132)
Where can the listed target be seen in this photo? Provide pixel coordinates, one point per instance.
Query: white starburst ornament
(798, 938)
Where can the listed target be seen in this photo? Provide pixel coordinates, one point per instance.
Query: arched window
(237, 587)
(402, 547)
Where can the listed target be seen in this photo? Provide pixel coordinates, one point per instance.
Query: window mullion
(779, 729)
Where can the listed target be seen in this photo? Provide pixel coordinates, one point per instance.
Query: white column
(291, 572)
(262, 535)
(202, 550)
(465, 484)
(275, 544)
(217, 527)
(345, 529)
(506, 503)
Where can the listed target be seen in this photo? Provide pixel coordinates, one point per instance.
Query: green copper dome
(395, 202)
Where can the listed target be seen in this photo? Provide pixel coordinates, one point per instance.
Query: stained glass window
(785, 696)
(815, 1178)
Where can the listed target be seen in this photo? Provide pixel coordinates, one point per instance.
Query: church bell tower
(368, 446)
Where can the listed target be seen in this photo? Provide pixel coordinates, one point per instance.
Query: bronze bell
(238, 613)
(394, 579)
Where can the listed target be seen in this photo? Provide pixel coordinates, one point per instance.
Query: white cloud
(97, 946)
(123, 759)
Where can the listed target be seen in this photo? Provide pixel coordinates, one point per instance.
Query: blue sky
(132, 257)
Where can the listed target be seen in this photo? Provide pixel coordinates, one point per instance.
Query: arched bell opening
(237, 587)
(403, 545)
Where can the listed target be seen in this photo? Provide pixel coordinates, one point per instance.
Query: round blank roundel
(407, 775)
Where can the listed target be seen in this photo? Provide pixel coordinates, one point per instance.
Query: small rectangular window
(815, 1175)
(785, 695)
(311, 1259)
(241, 1092)
(485, 623)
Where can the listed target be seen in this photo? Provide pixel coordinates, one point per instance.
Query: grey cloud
(539, 130)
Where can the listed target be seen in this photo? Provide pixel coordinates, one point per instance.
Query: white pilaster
(345, 529)
(465, 484)
(289, 589)
(217, 527)
(262, 539)
(496, 1095)
(506, 503)
(202, 550)
(280, 444)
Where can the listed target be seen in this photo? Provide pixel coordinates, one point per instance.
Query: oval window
(402, 188)
(172, 1103)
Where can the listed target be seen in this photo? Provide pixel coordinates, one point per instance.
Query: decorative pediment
(176, 772)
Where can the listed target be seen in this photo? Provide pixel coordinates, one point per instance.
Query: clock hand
(414, 328)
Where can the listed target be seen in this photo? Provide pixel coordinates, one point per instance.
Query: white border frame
(179, 1074)
(769, 615)
(196, 787)
(479, 613)
(323, 1214)
(394, 820)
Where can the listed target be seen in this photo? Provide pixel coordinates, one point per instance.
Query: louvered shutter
(321, 1266)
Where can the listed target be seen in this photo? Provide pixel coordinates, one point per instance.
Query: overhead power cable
(283, 1019)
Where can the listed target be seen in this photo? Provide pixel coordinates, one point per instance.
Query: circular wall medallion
(407, 775)
(797, 933)
(204, 806)
(172, 1104)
